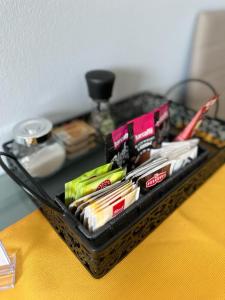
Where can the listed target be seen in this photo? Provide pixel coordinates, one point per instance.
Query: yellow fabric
(184, 258)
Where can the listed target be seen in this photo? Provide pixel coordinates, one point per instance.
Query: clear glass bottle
(101, 118)
(100, 85)
(37, 149)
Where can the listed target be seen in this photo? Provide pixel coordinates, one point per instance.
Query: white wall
(46, 46)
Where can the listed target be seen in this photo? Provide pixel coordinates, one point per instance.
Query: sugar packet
(115, 206)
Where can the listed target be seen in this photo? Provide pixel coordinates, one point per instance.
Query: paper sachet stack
(78, 137)
(98, 208)
(99, 195)
(164, 162)
(96, 202)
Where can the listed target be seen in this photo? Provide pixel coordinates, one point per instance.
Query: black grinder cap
(100, 84)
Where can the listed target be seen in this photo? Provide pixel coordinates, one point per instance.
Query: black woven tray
(101, 250)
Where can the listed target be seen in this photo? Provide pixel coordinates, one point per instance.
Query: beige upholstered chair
(208, 59)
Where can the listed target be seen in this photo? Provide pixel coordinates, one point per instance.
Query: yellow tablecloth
(184, 258)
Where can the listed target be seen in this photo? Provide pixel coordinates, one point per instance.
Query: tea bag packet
(70, 187)
(104, 201)
(92, 205)
(155, 176)
(141, 136)
(106, 197)
(91, 185)
(174, 149)
(93, 195)
(168, 151)
(189, 143)
(117, 147)
(112, 210)
(182, 152)
(81, 213)
(78, 206)
(106, 213)
(172, 157)
(162, 124)
(183, 157)
(108, 202)
(151, 163)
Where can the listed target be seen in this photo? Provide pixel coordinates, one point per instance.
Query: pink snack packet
(141, 137)
(196, 121)
(117, 147)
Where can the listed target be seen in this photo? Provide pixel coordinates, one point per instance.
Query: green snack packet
(70, 187)
(94, 184)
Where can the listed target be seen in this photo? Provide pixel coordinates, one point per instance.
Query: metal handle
(39, 194)
(188, 80)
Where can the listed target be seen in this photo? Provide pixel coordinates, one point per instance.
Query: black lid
(100, 84)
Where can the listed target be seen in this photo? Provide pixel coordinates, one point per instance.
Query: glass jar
(37, 149)
(101, 118)
(100, 84)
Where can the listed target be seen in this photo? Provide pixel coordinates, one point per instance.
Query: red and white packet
(196, 121)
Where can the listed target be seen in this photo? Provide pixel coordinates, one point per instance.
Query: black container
(101, 250)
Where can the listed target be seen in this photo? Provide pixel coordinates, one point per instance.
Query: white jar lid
(32, 131)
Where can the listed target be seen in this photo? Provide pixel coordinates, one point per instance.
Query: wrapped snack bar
(196, 121)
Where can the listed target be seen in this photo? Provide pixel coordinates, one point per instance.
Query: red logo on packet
(118, 207)
(158, 177)
(103, 184)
